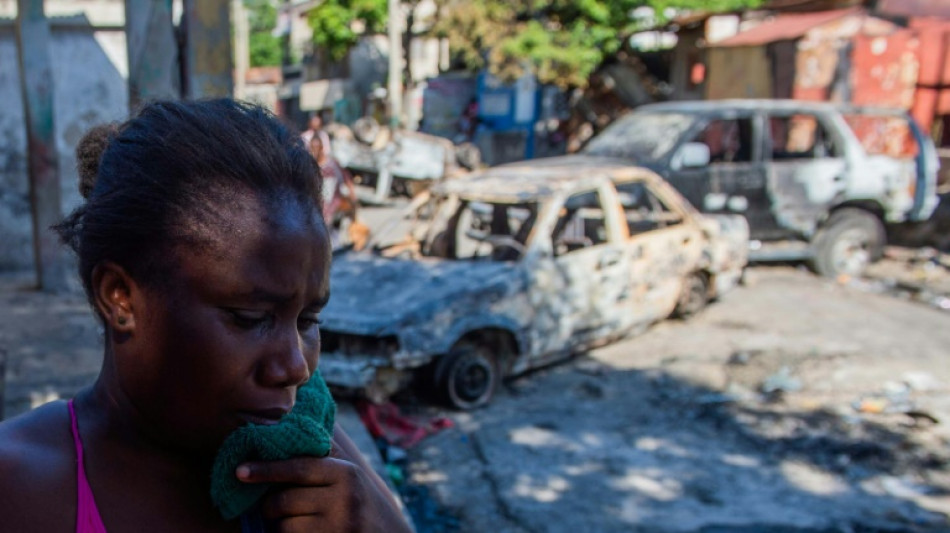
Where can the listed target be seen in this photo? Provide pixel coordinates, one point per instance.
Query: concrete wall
(89, 89)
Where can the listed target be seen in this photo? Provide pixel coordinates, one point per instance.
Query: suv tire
(849, 241)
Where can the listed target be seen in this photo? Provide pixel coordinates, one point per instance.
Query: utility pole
(395, 64)
(207, 59)
(36, 83)
(153, 51)
(242, 48)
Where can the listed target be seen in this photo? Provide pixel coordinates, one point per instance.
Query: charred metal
(508, 269)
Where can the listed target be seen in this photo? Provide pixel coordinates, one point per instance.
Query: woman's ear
(112, 288)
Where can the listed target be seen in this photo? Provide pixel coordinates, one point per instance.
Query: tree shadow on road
(570, 449)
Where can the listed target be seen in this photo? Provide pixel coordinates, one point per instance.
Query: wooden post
(207, 49)
(36, 83)
(153, 51)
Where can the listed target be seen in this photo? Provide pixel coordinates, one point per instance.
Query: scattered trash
(895, 398)
(386, 422)
(920, 416)
(942, 302)
(921, 381)
(871, 405)
(395, 454)
(396, 473)
(740, 358)
(427, 515)
(781, 382)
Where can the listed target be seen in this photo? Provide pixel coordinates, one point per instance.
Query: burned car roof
(757, 104)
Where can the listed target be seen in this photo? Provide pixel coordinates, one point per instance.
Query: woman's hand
(336, 493)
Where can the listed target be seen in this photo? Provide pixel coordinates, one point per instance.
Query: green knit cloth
(306, 430)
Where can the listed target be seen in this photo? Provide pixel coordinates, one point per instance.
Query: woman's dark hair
(167, 176)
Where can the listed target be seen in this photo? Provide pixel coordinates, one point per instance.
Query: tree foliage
(264, 46)
(560, 41)
(335, 23)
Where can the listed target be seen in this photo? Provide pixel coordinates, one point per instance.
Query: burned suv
(815, 181)
(511, 268)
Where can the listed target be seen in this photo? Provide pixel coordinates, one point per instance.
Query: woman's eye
(307, 322)
(248, 319)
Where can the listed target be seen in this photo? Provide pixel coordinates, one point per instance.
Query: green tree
(265, 47)
(560, 41)
(335, 24)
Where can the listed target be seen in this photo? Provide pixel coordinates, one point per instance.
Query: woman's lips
(264, 417)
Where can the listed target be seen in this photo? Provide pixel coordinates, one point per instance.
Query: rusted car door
(734, 179)
(581, 295)
(807, 170)
(664, 247)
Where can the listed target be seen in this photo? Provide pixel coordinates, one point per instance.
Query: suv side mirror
(692, 155)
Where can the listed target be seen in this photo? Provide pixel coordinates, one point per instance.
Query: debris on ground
(385, 421)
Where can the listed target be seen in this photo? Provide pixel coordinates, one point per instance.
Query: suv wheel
(848, 242)
(467, 376)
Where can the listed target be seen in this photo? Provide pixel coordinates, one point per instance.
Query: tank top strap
(87, 514)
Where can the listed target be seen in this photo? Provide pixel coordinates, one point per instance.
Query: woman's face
(233, 332)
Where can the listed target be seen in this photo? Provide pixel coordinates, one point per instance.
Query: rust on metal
(207, 58)
(785, 27)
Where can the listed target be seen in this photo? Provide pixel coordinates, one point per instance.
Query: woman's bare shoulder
(37, 469)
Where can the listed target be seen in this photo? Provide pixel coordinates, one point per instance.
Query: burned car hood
(373, 295)
(573, 161)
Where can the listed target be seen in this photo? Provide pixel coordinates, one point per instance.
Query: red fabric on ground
(387, 422)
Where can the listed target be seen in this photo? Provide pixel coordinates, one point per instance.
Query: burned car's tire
(848, 242)
(467, 376)
(694, 296)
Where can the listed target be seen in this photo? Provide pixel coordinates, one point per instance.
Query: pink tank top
(87, 514)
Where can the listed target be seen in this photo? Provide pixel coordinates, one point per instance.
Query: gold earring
(121, 320)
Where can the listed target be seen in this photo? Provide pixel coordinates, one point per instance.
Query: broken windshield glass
(450, 227)
(641, 137)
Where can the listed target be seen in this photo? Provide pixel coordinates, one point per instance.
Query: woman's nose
(285, 364)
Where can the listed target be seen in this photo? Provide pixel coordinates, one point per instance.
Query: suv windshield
(642, 137)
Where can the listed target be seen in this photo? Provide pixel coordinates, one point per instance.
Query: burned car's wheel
(694, 296)
(850, 240)
(467, 376)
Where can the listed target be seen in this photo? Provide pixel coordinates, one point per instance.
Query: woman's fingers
(306, 501)
(329, 492)
(312, 471)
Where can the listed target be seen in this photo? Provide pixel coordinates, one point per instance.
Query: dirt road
(673, 430)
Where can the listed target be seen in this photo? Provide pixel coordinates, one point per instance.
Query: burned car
(816, 181)
(508, 269)
(399, 161)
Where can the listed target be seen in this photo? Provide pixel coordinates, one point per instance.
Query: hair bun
(89, 153)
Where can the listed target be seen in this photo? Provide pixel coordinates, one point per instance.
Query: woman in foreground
(204, 253)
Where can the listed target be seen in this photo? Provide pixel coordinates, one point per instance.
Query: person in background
(203, 251)
(339, 191)
(315, 129)
(468, 122)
